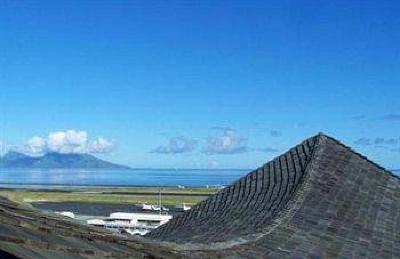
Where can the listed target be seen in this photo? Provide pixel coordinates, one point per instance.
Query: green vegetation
(125, 195)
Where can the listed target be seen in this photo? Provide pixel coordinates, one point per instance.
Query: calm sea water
(135, 177)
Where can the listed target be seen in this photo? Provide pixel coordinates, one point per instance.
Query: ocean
(38, 178)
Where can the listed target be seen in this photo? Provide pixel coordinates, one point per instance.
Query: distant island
(56, 161)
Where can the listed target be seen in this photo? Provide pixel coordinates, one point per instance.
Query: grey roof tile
(320, 199)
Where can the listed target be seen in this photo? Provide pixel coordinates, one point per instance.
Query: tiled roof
(320, 199)
(30, 233)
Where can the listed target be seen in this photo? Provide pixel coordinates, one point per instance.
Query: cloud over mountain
(35, 145)
(177, 145)
(100, 146)
(67, 142)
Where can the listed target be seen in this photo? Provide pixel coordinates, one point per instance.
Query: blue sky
(200, 84)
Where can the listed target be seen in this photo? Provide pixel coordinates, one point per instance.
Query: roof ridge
(309, 148)
(316, 140)
(321, 134)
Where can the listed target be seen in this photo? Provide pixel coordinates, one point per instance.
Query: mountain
(56, 160)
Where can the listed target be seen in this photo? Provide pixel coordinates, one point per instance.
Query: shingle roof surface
(30, 233)
(320, 199)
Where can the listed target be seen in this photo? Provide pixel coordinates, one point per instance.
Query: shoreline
(171, 196)
(56, 186)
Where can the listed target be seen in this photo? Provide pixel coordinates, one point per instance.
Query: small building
(131, 223)
(68, 214)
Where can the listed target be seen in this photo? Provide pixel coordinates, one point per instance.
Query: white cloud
(383, 141)
(3, 147)
(67, 142)
(363, 141)
(177, 145)
(378, 142)
(35, 145)
(101, 145)
(213, 164)
(392, 117)
(229, 143)
(275, 133)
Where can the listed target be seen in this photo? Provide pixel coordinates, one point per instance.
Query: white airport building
(131, 223)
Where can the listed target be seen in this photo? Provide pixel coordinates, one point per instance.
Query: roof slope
(30, 233)
(319, 199)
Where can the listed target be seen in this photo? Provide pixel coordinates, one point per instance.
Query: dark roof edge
(321, 134)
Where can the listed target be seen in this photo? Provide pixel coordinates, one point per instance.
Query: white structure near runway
(68, 214)
(131, 223)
